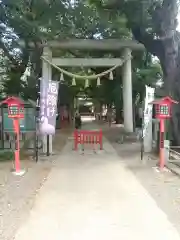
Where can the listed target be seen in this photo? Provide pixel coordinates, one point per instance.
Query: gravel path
(17, 194)
(94, 196)
(163, 187)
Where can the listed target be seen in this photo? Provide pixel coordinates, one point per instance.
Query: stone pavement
(94, 197)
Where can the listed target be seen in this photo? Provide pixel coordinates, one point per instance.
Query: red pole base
(161, 159)
(161, 152)
(18, 170)
(17, 161)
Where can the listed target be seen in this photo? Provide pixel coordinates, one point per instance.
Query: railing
(174, 154)
(88, 137)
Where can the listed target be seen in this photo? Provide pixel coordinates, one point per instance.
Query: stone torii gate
(126, 47)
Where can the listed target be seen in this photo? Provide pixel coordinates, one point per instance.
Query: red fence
(87, 137)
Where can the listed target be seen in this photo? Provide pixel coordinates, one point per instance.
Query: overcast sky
(179, 22)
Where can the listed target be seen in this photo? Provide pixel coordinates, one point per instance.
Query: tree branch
(154, 46)
(113, 4)
(164, 19)
(7, 53)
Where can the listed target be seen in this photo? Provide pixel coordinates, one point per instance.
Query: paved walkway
(94, 197)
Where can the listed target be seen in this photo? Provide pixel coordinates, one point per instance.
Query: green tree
(32, 22)
(38, 21)
(154, 23)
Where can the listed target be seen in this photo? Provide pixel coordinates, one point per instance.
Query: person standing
(78, 121)
(109, 116)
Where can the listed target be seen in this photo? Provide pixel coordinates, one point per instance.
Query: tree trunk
(170, 65)
(166, 47)
(164, 43)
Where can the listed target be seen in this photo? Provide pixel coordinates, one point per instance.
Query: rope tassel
(98, 82)
(111, 76)
(62, 77)
(86, 83)
(73, 82)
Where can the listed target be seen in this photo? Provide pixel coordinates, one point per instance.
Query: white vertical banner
(48, 106)
(148, 109)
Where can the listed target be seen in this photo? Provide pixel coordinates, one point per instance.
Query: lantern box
(163, 107)
(15, 107)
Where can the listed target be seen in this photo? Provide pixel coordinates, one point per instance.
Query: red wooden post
(75, 140)
(161, 153)
(87, 137)
(101, 139)
(163, 111)
(15, 112)
(92, 141)
(97, 138)
(83, 137)
(17, 147)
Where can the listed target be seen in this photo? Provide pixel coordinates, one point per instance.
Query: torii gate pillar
(127, 91)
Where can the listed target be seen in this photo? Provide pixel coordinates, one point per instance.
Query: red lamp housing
(163, 107)
(15, 107)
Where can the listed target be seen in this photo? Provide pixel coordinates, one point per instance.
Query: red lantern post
(16, 112)
(163, 108)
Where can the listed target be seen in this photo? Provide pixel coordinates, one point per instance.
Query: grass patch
(6, 155)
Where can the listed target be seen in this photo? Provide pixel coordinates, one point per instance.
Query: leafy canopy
(36, 21)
